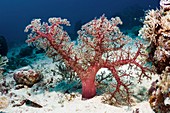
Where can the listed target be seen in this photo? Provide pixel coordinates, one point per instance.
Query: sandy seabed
(57, 102)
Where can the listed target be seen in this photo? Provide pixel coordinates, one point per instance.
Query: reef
(159, 93)
(156, 31)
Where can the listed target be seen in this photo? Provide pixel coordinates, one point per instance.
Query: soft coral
(100, 45)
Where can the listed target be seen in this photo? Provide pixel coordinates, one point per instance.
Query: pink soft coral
(100, 45)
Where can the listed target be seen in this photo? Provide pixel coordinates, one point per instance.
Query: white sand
(53, 102)
(56, 102)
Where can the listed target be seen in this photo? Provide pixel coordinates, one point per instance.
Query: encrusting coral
(160, 92)
(156, 30)
(100, 45)
(27, 77)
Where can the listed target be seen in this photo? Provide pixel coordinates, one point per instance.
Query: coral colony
(156, 30)
(100, 45)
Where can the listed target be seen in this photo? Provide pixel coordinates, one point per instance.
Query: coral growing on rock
(27, 77)
(160, 92)
(156, 30)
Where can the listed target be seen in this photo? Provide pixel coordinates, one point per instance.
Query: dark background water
(15, 15)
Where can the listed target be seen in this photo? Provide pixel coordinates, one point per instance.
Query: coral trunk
(88, 82)
(88, 89)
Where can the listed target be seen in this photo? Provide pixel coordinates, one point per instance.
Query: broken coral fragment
(4, 102)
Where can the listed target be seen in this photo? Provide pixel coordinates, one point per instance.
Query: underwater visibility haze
(15, 15)
(78, 56)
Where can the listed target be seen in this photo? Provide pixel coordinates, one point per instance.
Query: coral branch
(53, 39)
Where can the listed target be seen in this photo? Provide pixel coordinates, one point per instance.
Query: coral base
(88, 89)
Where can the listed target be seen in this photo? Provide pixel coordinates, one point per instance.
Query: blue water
(16, 14)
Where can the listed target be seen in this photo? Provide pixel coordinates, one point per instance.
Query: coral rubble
(4, 102)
